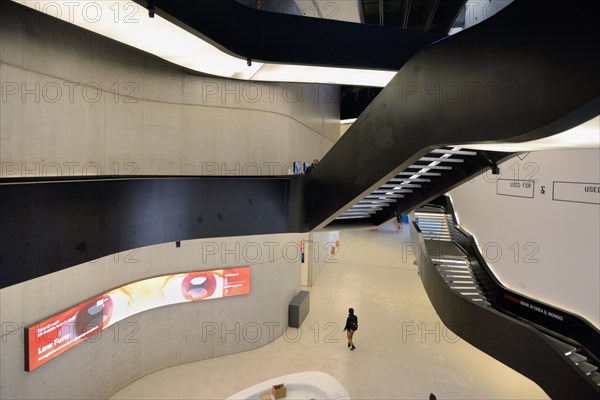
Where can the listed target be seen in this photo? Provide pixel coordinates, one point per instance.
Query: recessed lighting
(129, 23)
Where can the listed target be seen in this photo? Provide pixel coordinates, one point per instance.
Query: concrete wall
(155, 339)
(319, 247)
(543, 248)
(75, 103)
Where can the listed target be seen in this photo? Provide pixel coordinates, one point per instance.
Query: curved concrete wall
(76, 103)
(157, 338)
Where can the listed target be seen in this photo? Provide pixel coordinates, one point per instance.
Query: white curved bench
(302, 386)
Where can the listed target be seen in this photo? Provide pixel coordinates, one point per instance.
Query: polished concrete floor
(403, 350)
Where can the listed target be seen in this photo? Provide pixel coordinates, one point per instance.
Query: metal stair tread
(595, 377)
(587, 368)
(461, 282)
(442, 269)
(576, 357)
(475, 296)
(464, 287)
(459, 279)
(450, 263)
(565, 348)
(452, 269)
(469, 293)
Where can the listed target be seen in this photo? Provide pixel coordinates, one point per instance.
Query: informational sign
(51, 337)
(334, 241)
(576, 192)
(535, 307)
(515, 188)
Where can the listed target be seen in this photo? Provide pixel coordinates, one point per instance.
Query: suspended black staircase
(436, 172)
(567, 351)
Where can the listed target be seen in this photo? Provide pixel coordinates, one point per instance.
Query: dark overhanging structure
(487, 84)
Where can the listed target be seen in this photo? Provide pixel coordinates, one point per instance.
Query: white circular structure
(302, 385)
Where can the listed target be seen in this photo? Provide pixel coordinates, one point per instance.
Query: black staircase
(436, 172)
(450, 253)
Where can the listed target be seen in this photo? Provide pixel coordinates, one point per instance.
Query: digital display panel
(51, 337)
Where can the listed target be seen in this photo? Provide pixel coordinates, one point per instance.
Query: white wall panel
(543, 248)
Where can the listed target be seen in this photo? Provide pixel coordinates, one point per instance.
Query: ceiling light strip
(160, 37)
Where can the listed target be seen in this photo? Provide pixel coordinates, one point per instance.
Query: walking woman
(351, 327)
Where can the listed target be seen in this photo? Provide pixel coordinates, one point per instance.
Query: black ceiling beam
(431, 15)
(407, 4)
(281, 38)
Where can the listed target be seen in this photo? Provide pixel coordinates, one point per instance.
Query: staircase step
(433, 228)
(450, 266)
(460, 281)
(429, 231)
(463, 288)
(565, 348)
(456, 273)
(429, 167)
(430, 209)
(576, 357)
(469, 293)
(587, 368)
(453, 270)
(455, 283)
(456, 152)
(453, 267)
(595, 377)
(448, 260)
(419, 173)
(442, 159)
(475, 297)
(459, 278)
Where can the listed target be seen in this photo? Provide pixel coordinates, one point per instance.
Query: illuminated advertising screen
(51, 337)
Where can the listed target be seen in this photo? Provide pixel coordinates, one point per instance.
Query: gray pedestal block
(299, 308)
